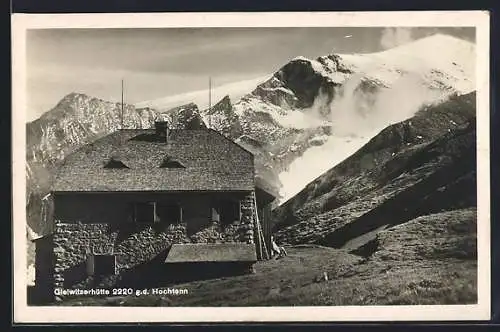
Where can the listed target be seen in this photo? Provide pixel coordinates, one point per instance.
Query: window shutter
(233, 211)
(90, 265)
(215, 214)
(156, 218)
(238, 206)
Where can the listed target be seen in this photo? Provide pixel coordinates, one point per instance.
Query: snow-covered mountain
(300, 121)
(423, 165)
(312, 114)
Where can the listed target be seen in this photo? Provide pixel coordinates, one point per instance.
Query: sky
(161, 62)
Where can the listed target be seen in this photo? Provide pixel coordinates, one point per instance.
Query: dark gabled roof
(211, 163)
(213, 252)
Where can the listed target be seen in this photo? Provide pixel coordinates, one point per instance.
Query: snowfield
(235, 91)
(317, 160)
(412, 79)
(404, 79)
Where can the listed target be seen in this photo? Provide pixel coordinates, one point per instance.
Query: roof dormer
(168, 162)
(115, 163)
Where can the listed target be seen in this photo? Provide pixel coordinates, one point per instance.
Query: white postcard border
(54, 314)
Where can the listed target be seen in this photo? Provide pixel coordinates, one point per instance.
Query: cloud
(392, 37)
(357, 113)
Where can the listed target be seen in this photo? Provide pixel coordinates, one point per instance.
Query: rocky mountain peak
(184, 117)
(334, 63)
(305, 78)
(222, 118)
(73, 96)
(223, 105)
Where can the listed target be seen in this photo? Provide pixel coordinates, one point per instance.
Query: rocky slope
(183, 117)
(423, 165)
(223, 118)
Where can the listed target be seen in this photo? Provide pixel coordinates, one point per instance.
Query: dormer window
(115, 163)
(168, 162)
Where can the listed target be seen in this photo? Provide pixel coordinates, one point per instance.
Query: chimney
(162, 130)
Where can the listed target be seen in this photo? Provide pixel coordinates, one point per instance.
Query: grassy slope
(428, 260)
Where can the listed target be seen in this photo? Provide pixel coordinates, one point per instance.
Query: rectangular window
(226, 211)
(145, 212)
(100, 265)
(237, 210)
(170, 213)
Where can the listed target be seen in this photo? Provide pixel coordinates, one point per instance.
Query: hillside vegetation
(428, 260)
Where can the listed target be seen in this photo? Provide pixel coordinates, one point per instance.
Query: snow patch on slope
(31, 275)
(32, 235)
(405, 79)
(441, 60)
(317, 160)
(200, 97)
(328, 67)
(298, 119)
(352, 128)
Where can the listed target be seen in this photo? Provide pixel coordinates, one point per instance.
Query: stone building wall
(248, 216)
(133, 244)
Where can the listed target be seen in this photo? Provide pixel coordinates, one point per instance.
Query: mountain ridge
(423, 165)
(283, 116)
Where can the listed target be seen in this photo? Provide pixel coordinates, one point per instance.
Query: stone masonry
(133, 244)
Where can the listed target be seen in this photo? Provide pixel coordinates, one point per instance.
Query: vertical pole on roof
(209, 99)
(121, 118)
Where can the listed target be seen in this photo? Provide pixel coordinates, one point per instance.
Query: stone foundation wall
(133, 244)
(248, 217)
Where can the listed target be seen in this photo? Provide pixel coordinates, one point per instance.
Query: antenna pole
(209, 99)
(121, 120)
